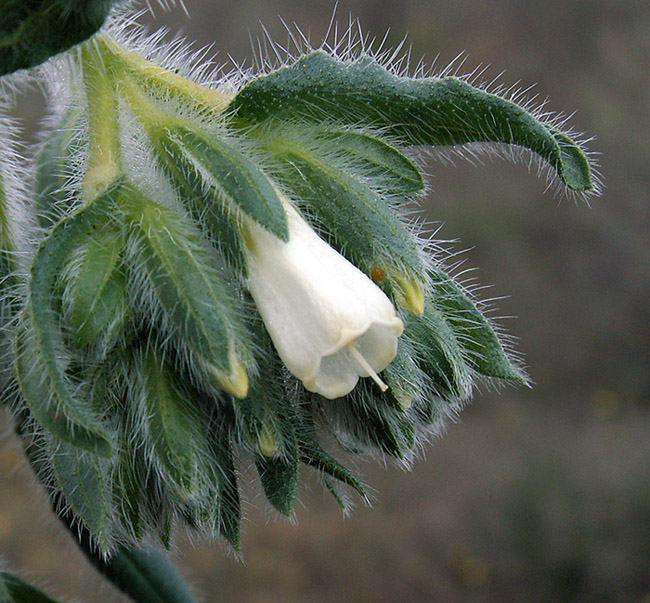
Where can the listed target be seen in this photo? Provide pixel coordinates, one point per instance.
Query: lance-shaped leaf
(229, 512)
(207, 164)
(207, 211)
(439, 354)
(39, 370)
(220, 511)
(129, 486)
(418, 111)
(279, 473)
(140, 497)
(81, 480)
(215, 223)
(52, 195)
(481, 346)
(196, 300)
(374, 158)
(98, 293)
(403, 376)
(160, 507)
(367, 418)
(279, 477)
(313, 454)
(364, 225)
(15, 590)
(174, 431)
(32, 32)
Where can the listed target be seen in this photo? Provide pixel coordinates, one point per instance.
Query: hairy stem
(164, 81)
(104, 150)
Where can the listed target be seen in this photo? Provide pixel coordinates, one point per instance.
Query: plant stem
(207, 101)
(104, 161)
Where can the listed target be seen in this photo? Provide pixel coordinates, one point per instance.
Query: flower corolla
(329, 322)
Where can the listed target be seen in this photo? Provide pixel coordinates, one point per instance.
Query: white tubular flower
(329, 322)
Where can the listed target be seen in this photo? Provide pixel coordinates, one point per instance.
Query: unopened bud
(267, 441)
(410, 295)
(235, 382)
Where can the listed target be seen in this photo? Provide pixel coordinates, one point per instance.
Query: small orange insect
(377, 274)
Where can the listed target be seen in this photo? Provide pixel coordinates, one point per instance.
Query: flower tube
(328, 321)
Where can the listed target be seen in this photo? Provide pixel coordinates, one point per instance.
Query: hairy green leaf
(376, 159)
(364, 225)
(129, 486)
(438, 352)
(334, 488)
(210, 164)
(80, 478)
(173, 428)
(279, 477)
(313, 454)
(225, 513)
(52, 197)
(218, 511)
(192, 293)
(99, 290)
(39, 370)
(200, 201)
(481, 346)
(425, 111)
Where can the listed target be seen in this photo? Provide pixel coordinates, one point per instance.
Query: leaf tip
(574, 168)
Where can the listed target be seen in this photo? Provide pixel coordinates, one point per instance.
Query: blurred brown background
(537, 495)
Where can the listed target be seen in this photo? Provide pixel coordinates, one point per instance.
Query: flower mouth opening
(356, 355)
(353, 350)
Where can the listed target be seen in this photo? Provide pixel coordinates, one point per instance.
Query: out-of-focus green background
(536, 495)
